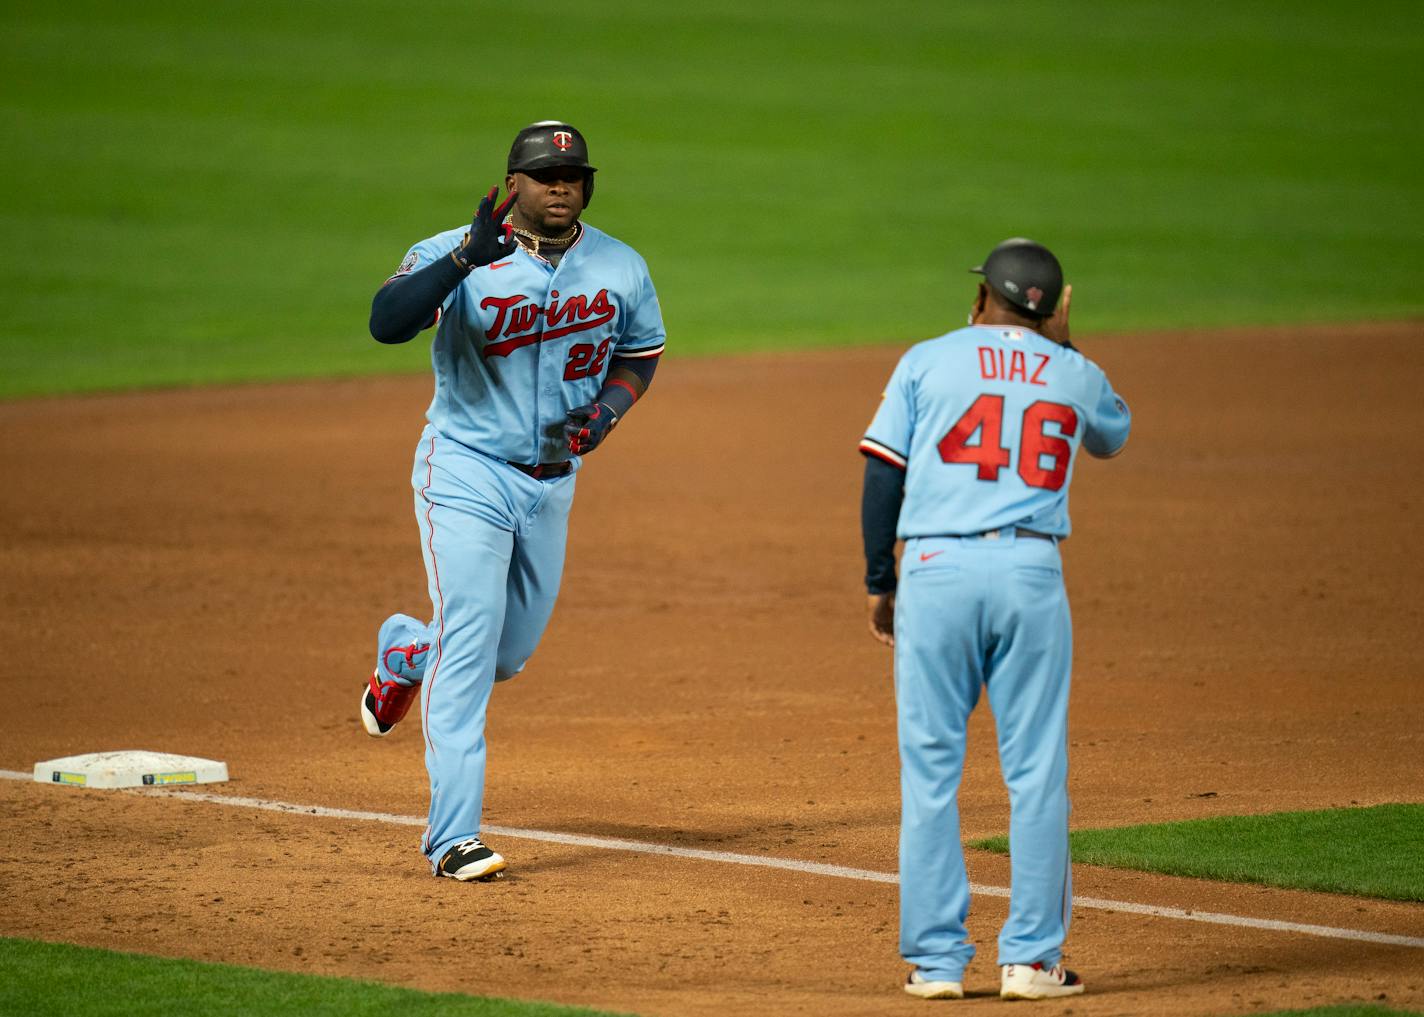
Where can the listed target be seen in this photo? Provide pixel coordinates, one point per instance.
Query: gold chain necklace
(539, 241)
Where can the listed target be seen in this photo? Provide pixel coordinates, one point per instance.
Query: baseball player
(548, 332)
(969, 458)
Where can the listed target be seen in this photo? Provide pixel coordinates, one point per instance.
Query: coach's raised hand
(1056, 326)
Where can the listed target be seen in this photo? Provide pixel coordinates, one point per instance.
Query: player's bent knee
(503, 671)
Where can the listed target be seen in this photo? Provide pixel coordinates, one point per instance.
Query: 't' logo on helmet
(1034, 296)
(563, 140)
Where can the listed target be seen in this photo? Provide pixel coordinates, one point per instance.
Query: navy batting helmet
(1025, 274)
(548, 144)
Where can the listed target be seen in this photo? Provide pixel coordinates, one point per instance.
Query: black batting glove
(489, 238)
(587, 426)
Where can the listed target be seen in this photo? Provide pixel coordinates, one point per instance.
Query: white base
(130, 768)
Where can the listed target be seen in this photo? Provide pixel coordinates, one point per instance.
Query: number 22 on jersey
(986, 417)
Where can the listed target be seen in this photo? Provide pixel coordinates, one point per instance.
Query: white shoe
(1034, 981)
(918, 985)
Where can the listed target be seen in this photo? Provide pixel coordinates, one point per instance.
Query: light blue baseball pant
(974, 613)
(493, 540)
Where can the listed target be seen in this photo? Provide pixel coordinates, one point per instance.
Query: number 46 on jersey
(985, 418)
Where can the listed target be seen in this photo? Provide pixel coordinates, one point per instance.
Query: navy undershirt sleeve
(879, 514)
(407, 303)
(643, 367)
(617, 395)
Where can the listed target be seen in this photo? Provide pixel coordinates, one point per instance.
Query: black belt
(546, 471)
(996, 534)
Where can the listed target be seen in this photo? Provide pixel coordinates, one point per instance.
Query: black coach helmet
(1025, 274)
(548, 144)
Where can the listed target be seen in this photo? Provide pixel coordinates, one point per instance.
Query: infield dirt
(203, 572)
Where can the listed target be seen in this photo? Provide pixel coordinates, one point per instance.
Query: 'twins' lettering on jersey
(516, 315)
(523, 341)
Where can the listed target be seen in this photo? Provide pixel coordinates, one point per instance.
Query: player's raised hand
(588, 425)
(882, 617)
(489, 238)
(1056, 327)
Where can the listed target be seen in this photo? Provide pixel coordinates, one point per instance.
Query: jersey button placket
(549, 365)
(558, 355)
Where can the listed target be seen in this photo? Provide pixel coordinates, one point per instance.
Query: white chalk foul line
(762, 861)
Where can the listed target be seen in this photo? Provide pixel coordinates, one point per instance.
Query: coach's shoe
(1034, 981)
(470, 859)
(383, 704)
(918, 985)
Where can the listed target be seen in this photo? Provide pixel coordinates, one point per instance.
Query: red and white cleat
(1034, 981)
(383, 704)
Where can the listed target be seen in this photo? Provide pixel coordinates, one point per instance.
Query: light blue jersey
(987, 422)
(521, 342)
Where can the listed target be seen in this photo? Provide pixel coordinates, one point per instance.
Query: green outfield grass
(212, 192)
(50, 980)
(1370, 852)
(1347, 1010)
(53, 980)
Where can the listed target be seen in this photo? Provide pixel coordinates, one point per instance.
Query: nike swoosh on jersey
(927, 557)
(500, 264)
